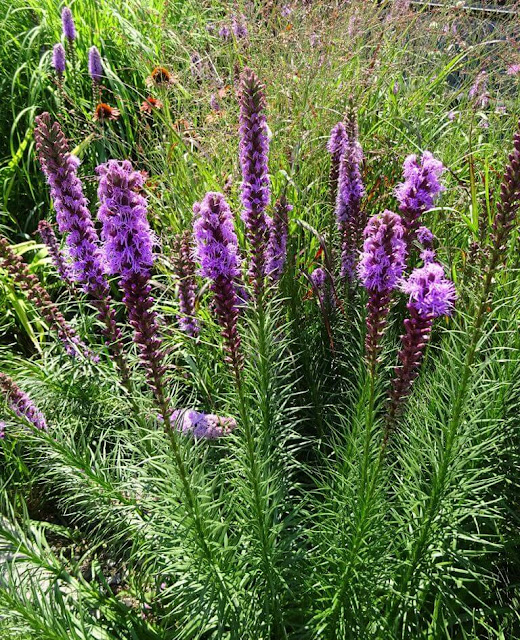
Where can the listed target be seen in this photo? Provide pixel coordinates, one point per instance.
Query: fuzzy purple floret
(202, 425)
(128, 241)
(239, 27)
(254, 150)
(224, 32)
(425, 236)
(58, 59)
(2, 429)
(20, 403)
(430, 292)
(420, 188)
(322, 284)
(217, 252)
(72, 214)
(215, 237)
(384, 252)
(348, 200)
(67, 21)
(95, 65)
(276, 252)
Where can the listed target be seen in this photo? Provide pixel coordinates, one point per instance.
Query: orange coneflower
(159, 77)
(150, 104)
(106, 112)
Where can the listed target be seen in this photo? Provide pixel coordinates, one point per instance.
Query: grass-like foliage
(259, 346)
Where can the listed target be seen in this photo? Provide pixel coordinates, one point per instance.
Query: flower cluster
(380, 268)
(184, 268)
(254, 149)
(418, 191)
(67, 21)
(217, 252)
(95, 65)
(202, 425)
(20, 403)
(127, 245)
(275, 254)
(335, 146)
(58, 259)
(323, 286)
(58, 59)
(431, 295)
(348, 199)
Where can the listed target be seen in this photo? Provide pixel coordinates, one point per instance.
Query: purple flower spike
(418, 191)
(381, 266)
(2, 429)
(20, 403)
(58, 60)
(239, 27)
(128, 246)
(95, 65)
(73, 217)
(55, 253)
(425, 236)
(184, 268)
(336, 147)
(67, 21)
(206, 426)
(348, 199)
(431, 295)
(323, 287)
(254, 150)
(224, 32)
(277, 246)
(217, 252)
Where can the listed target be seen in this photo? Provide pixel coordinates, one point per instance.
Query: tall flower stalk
(20, 403)
(32, 288)
(348, 198)
(58, 259)
(276, 252)
(217, 252)
(335, 146)
(128, 247)
(380, 268)
(254, 150)
(431, 295)
(418, 192)
(95, 71)
(74, 220)
(184, 268)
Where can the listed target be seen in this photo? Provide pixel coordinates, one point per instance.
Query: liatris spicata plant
(239, 27)
(478, 91)
(67, 21)
(207, 426)
(254, 149)
(417, 193)
(217, 252)
(73, 217)
(348, 199)
(95, 65)
(20, 403)
(58, 259)
(128, 244)
(380, 268)
(58, 61)
(30, 285)
(335, 146)
(431, 295)
(276, 252)
(184, 268)
(323, 286)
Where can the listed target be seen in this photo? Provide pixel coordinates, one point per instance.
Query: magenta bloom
(430, 292)
(202, 425)
(239, 27)
(431, 295)
(127, 247)
(20, 403)
(224, 32)
(184, 268)
(421, 186)
(348, 200)
(254, 149)
(67, 21)
(276, 251)
(58, 59)
(95, 65)
(425, 236)
(513, 69)
(55, 253)
(380, 269)
(217, 252)
(478, 91)
(336, 147)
